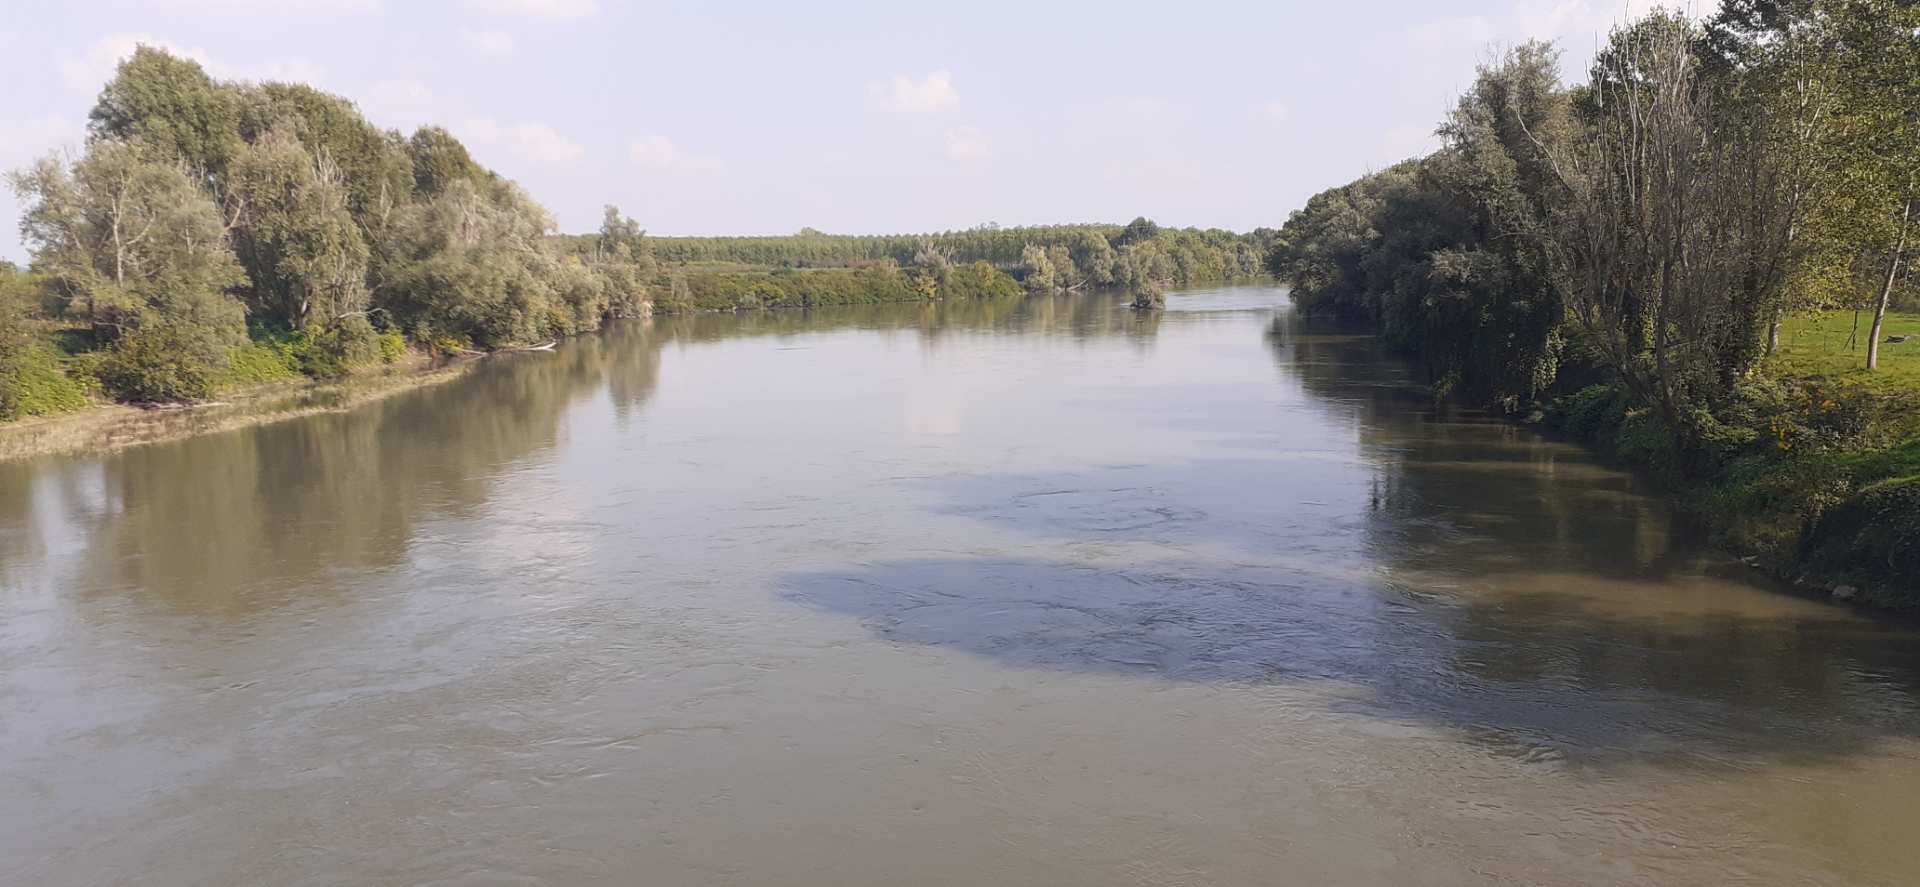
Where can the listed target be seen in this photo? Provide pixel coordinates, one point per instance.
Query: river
(1024, 592)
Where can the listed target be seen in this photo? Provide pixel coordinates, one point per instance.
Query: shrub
(260, 360)
(1873, 535)
(980, 280)
(1590, 413)
(162, 362)
(393, 346)
(332, 352)
(32, 383)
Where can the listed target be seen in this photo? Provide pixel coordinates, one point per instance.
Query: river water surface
(1029, 592)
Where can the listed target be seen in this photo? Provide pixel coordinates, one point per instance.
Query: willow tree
(170, 105)
(296, 235)
(129, 239)
(137, 244)
(1037, 268)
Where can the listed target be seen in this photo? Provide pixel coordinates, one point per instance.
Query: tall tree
(1874, 142)
(125, 235)
(297, 239)
(171, 105)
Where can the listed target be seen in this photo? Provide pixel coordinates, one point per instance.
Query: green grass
(1815, 346)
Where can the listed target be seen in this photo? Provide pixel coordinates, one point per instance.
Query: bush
(332, 352)
(392, 345)
(259, 361)
(980, 280)
(158, 363)
(32, 383)
(1873, 537)
(1590, 413)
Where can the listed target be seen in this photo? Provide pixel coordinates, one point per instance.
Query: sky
(759, 117)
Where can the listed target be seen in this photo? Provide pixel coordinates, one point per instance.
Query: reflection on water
(1019, 591)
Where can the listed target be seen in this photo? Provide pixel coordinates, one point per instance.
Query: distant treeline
(1062, 256)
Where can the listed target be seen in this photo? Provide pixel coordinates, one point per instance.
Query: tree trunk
(1773, 335)
(1886, 291)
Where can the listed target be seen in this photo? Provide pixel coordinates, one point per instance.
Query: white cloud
(967, 144)
(907, 95)
(549, 8)
(479, 130)
(402, 103)
(291, 71)
(490, 41)
(1276, 112)
(96, 66)
(534, 141)
(659, 152)
(540, 142)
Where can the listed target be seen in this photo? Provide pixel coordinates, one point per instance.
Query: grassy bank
(100, 426)
(1814, 472)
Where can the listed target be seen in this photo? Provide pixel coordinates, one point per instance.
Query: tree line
(814, 268)
(1196, 255)
(214, 232)
(1640, 235)
(211, 227)
(1657, 220)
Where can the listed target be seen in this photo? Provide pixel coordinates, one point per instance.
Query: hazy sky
(763, 117)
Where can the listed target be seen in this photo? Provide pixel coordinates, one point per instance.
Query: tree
(130, 238)
(297, 237)
(374, 165)
(170, 105)
(1873, 145)
(1666, 250)
(620, 238)
(1038, 269)
(1770, 66)
(1141, 228)
(438, 160)
(1093, 255)
(1065, 276)
(473, 264)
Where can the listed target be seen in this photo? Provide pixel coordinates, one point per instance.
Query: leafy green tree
(1873, 144)
(1093, 256)
(296, 236)
(170, 105)
(472, 263)
(1037, 267)
(1065, 275)
(438, 160)
(374, 165)
(1141, 228)
(131, 240)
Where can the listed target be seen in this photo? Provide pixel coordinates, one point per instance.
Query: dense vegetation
(1186, 255)
(225, 233)
(811, 268)
(1619, 257)
(219, 233)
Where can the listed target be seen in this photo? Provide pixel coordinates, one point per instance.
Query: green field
(1816, 345)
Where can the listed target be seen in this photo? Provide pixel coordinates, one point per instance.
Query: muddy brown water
(1025, 592)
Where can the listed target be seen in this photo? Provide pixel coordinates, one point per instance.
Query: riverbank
(1815, 477)
(109, 427)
